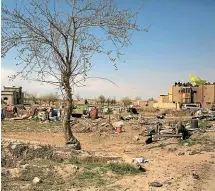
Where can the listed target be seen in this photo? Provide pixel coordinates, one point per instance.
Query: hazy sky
(180, 41)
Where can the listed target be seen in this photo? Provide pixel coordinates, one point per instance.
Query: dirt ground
(172, 162)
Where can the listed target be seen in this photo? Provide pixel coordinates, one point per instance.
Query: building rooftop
(12, 87)
(7, 92)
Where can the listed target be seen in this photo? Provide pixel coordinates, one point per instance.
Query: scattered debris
(73, 143)
(36, 180)
(14, 172)
(140, 160)
(194, 152)
(155, 184)
(140, 167)
(196, 176)
(149, 140)
(118, 126)
(181, 153)
(136, 138)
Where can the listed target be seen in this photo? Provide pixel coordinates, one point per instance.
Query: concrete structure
(145, 104)
(12, 95)
(164, 103)
(202, 94)
(185, 94)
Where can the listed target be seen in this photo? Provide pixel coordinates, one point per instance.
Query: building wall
(164, 102)
(22, 98)
(150, 104)
(163, 99)
(16, 89)
(14, 95)
(144, 104)
(170, 94)
(198, 95)
(165, 105)
(204, 95)
(208, 96)
(8, 98)
(176, 95)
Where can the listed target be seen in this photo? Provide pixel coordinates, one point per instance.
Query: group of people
(49, 113)
(13, 109)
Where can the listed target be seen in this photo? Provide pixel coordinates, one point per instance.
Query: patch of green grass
(118, 168)
(43, 162)
(199, 140)
(91, 166)
(204, 124)
(93, 173)
(88, 177)
(122, 168)
(30, 126)
(188, 142)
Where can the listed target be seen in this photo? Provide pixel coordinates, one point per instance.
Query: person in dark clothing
(149, 140)
(2, 114)
(185, 133)
(15, 111)
(180, 128)
(134, 110)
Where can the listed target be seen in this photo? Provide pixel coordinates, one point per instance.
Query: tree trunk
(69, 137)
(66, 122)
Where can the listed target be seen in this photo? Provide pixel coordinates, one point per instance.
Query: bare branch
(56, 40)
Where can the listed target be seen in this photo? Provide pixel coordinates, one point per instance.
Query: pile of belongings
(204, 114)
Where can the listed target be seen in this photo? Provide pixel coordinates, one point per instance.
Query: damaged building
(179, 94)
(12, 96)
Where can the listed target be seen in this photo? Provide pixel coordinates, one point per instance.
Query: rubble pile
(16, 153)
(13, 152)
(179, 113)
(89, 125)
(9, 114)
(205, 114)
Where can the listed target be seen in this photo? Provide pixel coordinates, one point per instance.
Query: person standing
(2, 114)
(15, 111)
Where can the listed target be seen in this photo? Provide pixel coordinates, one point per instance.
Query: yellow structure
(164, 103)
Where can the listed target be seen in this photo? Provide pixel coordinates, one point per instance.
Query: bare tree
(108, 101)
(27, 96)
(151, 99)
(30, 97)
(113, 101)
(101, 99)
(78, 97)
(57, 39)
(49, 98)
(126, 101)
(137, 98)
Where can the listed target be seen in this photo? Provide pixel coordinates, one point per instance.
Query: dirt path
(165, 165)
